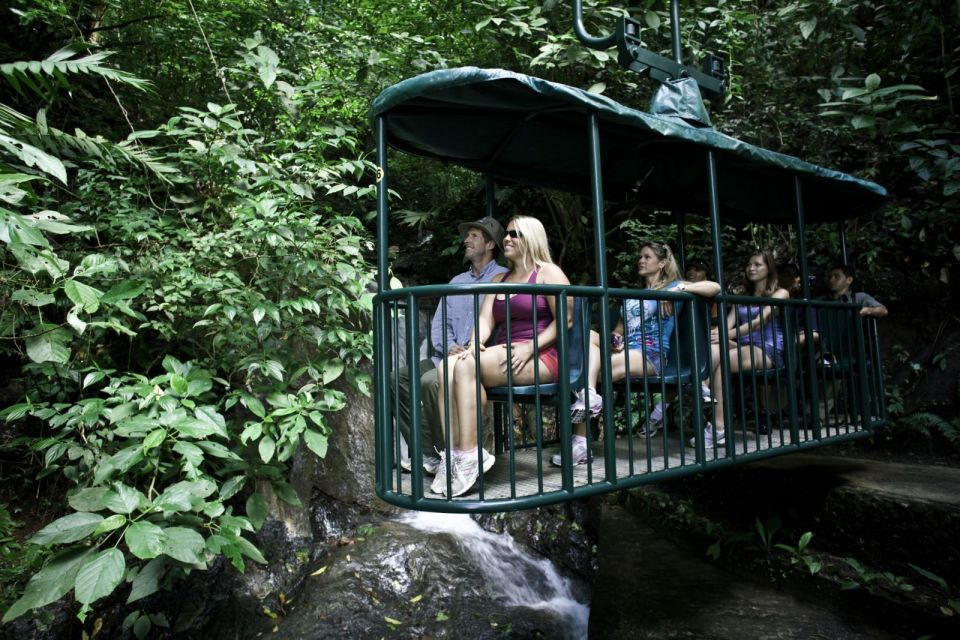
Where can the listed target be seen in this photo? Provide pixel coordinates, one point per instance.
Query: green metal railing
(820, 393)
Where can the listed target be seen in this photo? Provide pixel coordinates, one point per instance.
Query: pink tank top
(521, 315)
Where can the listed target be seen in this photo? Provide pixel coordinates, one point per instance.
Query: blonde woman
(525, 248)
(649, 325)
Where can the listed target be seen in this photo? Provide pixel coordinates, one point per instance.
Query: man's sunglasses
(513, 233)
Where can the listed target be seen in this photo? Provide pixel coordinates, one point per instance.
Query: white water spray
(512, 573)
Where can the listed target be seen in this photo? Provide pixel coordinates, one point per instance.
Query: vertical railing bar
(478, 401)
(600, 260)
(395, 343)
(511, 437)
(809, 314)
(742, 395)
(413, 369)
(865, 420)
(628, 389)
(445, 371)
(563, 417)
(538, 408)
(714, 201)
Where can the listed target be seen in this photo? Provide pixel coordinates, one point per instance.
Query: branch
(126, 23)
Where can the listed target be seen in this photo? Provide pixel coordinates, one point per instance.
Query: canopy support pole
(675, 30)
(600, 257)
(808, 314)
(383, 451)
(727, 385)
(844, 256)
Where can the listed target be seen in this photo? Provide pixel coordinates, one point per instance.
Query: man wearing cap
(482, 242)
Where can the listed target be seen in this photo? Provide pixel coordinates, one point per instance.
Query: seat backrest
(692, 342)
(577, 372)
(837, 334)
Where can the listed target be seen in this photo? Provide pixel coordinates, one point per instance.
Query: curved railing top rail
(595, 291)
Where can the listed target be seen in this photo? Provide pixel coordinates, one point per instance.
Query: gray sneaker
(711, 437)
(581, 455)
(466, 472)
(439, 484)
(580, 407)
(654, 421)
(430, 464)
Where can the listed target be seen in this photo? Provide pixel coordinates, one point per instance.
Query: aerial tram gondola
(513, 128)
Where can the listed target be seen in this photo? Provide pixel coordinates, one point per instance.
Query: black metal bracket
(631, 55)
(712, 79)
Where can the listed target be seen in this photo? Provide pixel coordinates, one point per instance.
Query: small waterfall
(511, 573)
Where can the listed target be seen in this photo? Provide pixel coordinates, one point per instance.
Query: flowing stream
(511, 573)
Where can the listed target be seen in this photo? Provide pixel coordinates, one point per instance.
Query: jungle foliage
(185, 194)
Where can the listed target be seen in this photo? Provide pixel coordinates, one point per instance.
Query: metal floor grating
(634, 457)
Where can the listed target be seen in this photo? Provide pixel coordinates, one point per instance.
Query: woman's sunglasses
(513, 233)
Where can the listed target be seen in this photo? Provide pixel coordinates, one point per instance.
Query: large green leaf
(267, 447)
(89, 499)
(99, 576)
(251, 551)
(112, 523)
(83, 295)
(120, 461)
(214, 421)
(144, 539)
(185, 496)
(147, 581)
(192, 454)
(123, 499)
(185, 545)
(49, 345)
(53, 222)
(71, 528)
(317, 442)
(50, 583)
(332, 370)
(126, 290)
(256, 509)
(33, 297)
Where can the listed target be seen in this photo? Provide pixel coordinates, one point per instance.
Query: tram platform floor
(633, 456)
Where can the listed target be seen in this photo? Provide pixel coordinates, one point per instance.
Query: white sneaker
(439, 484)
(431, 464)
(466, 473)
(711, 437)
(706, 394)
(578, 410)
(654, 421)
(580, 451)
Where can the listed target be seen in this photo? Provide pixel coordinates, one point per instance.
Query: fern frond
(42, 77)
(34, 144)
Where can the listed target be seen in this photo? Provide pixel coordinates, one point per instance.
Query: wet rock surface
(398, 581)
(565, 533)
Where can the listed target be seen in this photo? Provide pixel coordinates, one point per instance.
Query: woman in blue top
(649, 325)
(754, 337)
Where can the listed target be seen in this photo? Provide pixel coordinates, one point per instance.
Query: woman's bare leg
(445, 390)
(492, 374)
(742, 358)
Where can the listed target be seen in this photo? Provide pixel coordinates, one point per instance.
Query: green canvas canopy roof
(527, 130)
